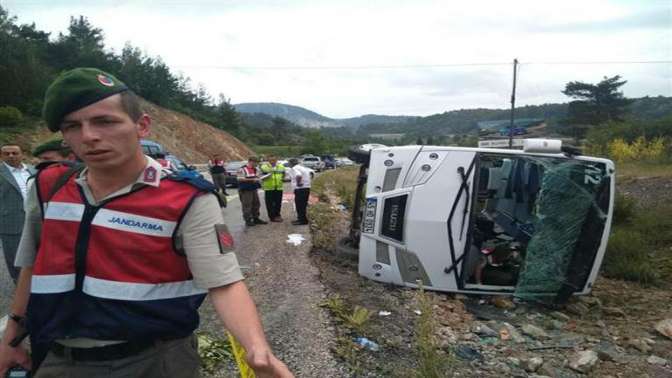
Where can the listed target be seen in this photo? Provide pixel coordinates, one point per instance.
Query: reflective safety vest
(112, 271)
(274, 181)
(249, 173)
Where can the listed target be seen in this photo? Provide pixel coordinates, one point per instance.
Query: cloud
(347, 58)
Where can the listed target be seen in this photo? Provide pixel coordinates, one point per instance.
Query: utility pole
(513, 102)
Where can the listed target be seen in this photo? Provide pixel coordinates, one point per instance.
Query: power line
(419, 66)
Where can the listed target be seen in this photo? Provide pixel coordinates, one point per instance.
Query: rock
(531, 365)
(503, 302)
(640, 345)
(613, 311)
(608, 352)
(556, 324)
(664, 327)
(560, 316)
(591, 301)
(509, 332)
(547, 370)
(518, 373)
(447, 336)
(467, 353)
(485, 331)
(534, 331)
(655, 360)
(513, 361)
(578, 308)
(583, 361)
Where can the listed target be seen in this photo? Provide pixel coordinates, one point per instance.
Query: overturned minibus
(533, 223)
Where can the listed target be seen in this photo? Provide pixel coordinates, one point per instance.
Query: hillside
(190, 140)
(462, 121)
(296, 114)
(308, 118)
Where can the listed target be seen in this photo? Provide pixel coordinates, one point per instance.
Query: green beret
(52, 145)
(76, 89)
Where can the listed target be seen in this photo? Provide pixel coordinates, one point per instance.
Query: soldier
(117, 260)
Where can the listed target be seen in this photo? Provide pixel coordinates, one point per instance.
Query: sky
(349, 58)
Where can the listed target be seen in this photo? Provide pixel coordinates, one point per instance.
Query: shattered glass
(570, 218)
(538, 225)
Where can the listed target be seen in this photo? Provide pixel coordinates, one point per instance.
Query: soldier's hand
(12, 357)
(265, 364)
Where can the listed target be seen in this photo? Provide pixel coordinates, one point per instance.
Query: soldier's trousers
(249, 201)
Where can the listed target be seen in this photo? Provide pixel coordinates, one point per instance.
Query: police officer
(117, 260)
(274, 175)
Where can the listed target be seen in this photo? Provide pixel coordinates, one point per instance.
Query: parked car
(232, 169)
(151, 148)
(343, 162)
(329, 161)
(312, 162)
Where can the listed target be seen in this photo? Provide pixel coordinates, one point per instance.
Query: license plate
(369, 222)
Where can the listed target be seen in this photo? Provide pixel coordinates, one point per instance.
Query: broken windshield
(537, 225)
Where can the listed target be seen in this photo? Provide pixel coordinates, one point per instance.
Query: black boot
(259, 221)
(250, 223)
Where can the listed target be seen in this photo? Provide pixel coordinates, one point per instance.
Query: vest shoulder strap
(73, 169)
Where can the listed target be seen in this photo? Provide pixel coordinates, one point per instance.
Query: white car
(312, 162)
(343, 162)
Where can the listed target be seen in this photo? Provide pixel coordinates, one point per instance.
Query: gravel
(286, 288)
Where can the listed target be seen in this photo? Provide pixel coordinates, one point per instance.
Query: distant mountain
(307, 118)
(452, 122)
(296, 114)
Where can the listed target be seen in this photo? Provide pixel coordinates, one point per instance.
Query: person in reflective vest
(272, 183)
(248, 184)
(117, 256)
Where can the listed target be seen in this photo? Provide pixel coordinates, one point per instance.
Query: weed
(628, 258)
(213, 351)
(323, 219)
(431, 362)
(359, 317)
(347, 350)
(336, 305)
(624, 209)
(355, 319)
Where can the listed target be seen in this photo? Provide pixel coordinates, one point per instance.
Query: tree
(430, 141)
(419, 141)
(596, 103)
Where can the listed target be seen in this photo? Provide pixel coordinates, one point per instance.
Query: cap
(76, 89)
(52, 145)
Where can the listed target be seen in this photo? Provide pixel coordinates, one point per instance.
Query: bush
(640, 149)
(654, 225)
(628, 258)
(10, 116)
(624, 209)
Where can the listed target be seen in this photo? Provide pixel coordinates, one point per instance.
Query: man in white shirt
(13, 188)
(301, 180)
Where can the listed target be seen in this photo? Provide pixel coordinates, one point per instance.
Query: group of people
(115, 254)
(270, 176)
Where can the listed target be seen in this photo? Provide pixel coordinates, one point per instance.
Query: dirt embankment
(192, 141)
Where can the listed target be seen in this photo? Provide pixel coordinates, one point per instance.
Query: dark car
(329, 161)
(232, 169)
(152, 148)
